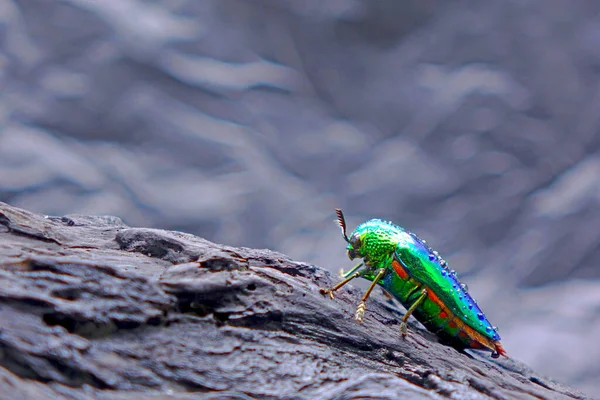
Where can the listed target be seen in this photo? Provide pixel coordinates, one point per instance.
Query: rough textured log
(92, 307)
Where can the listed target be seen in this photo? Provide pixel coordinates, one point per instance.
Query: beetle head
(374, 240)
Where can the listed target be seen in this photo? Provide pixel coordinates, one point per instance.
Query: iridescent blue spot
(454, 285)
(460, 297)
(495, 337)
(431, 257)
(487, 329)
(470, 306)
(444, 273)
(480, 316)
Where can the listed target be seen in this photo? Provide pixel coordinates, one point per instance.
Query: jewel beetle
(410, 271)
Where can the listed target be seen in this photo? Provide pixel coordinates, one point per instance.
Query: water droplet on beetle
(495, 328)
(464, 286)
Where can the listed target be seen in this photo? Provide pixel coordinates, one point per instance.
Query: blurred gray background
(475, 124)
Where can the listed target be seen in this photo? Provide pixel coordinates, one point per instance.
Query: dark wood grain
(90, 307)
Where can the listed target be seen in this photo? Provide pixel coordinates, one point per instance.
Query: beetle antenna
(341, 221)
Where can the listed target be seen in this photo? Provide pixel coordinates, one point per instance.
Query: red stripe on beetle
(399, 270)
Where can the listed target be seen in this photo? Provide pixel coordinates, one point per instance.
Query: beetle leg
(353, 270)
(403, 327)
(360, 310)
(342, 283)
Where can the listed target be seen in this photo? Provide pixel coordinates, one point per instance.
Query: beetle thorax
(379, 239)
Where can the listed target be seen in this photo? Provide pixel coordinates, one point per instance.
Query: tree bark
(90, 307)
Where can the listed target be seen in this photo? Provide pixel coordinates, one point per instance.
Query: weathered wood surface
(91, 308)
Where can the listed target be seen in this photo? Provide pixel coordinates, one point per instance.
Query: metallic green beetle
(410, 271)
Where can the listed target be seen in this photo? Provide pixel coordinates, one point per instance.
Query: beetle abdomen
(434, 314)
